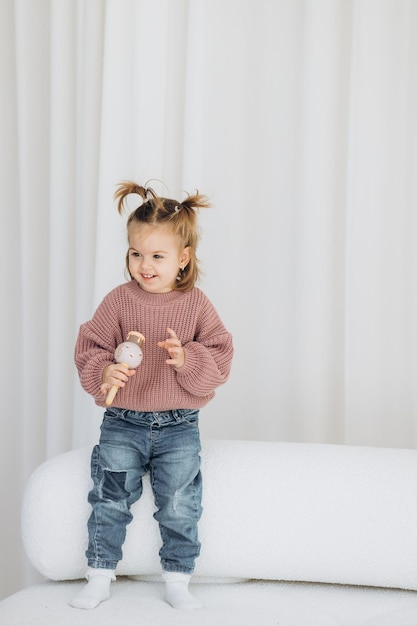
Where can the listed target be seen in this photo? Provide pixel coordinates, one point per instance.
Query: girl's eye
(135, 254)
(158, 256)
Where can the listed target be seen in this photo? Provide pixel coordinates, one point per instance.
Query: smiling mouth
(148, 276)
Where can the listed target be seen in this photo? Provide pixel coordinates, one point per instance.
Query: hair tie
(176, 208)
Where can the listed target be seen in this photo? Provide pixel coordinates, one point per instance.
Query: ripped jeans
(166, 444)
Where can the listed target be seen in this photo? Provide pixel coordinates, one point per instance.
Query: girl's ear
(185, 256)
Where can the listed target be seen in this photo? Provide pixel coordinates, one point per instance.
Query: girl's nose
(146, 263)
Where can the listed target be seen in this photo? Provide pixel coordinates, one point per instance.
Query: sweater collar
(154, 299)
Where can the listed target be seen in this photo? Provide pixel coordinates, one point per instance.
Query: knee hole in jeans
(114, 485)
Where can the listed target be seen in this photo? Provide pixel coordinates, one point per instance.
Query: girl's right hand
(115, 374)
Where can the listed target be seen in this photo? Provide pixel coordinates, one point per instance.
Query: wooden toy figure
(130, 354)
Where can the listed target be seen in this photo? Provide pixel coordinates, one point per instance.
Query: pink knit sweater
(156, 386)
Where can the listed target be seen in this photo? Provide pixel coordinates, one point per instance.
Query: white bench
(312, 513)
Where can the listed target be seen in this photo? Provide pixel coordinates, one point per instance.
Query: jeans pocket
(191, 417)
(112, 414)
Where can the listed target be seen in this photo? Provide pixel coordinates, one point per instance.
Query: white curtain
(298, 119)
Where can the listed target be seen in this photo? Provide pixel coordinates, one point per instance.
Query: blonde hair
(182, 216)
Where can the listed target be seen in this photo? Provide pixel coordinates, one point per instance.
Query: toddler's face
(155, 256)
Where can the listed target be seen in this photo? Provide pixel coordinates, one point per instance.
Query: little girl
(153, 423)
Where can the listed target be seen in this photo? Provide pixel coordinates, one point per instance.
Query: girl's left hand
(173, 346)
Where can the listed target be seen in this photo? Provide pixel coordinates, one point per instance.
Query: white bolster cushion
(277, 511)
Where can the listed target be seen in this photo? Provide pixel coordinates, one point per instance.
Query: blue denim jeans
(166, 444)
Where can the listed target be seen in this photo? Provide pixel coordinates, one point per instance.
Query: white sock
(96, 590)
(176, 591)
